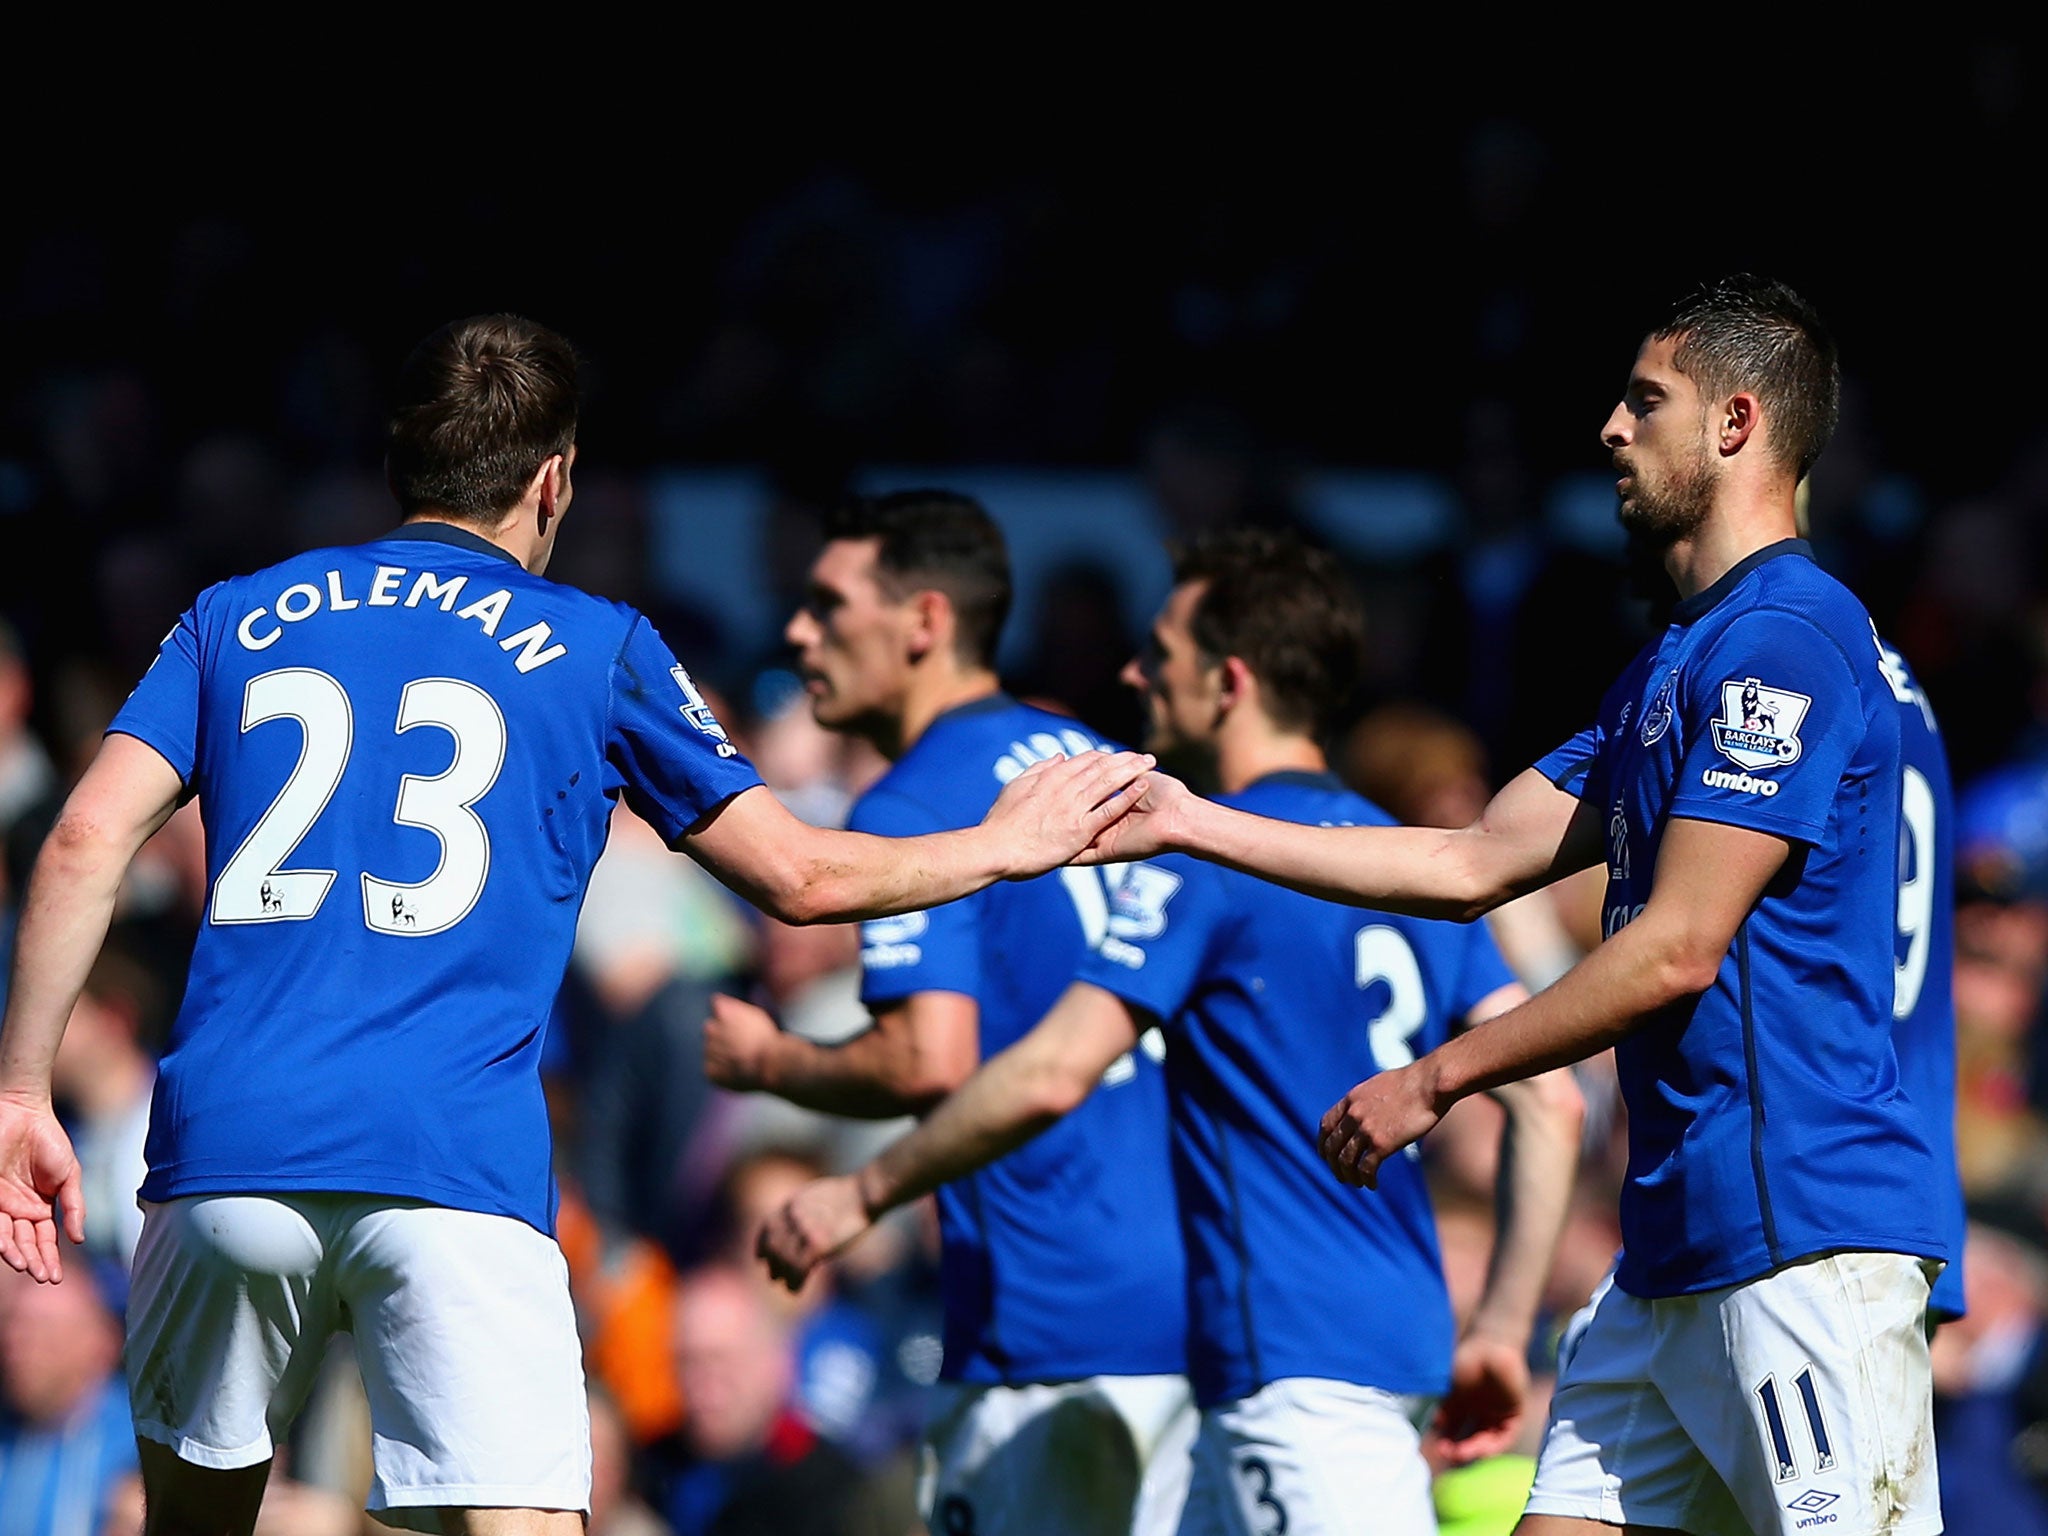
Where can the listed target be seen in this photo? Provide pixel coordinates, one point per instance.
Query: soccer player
(1066, 1405)
(1272, 1001)
(1763, 1365)
(407, 753)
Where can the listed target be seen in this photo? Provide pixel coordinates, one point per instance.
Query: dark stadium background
(1188, 296)
(1444, 273)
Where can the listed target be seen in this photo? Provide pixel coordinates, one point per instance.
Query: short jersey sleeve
(1571, 766)
(936, 950)
(1165, 921)
(1773, 716)
(163, 711)
(666, 749)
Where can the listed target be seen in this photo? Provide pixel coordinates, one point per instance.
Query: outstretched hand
(817, 1222)
(38, 1173)
(1152, 823)
(1056, 808)
(1482, 1413)
(1375, 1120)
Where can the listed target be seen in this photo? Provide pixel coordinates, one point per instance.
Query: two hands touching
(1093, 808)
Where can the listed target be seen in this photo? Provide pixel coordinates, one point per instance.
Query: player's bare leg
(183, 1500)
(512, 1522)
(1564, 1525)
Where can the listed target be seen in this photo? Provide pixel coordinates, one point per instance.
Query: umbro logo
(1809, 1506)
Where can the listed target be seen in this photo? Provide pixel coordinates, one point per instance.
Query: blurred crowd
(147, 461)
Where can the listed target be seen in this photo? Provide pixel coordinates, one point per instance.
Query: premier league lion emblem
(1759, 726)
(699, 714)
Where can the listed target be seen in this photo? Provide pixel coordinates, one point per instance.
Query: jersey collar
(1703, 601)
(448, 533)
(987, 704)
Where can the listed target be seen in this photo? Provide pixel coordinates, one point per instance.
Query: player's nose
(1133, 674)
(801, 629)
(1618, 432)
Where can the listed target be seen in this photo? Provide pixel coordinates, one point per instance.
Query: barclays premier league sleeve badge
(1758, 727)
(699, 714)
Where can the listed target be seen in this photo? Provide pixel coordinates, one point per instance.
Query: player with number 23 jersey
(360, 805)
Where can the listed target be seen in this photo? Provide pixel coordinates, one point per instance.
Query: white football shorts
(1797, 1404)
(1312, 1457)
(464, 1334)
(1104, 1456)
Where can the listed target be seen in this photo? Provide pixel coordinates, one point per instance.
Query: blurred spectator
(2002, 828)
(28, 778)
(615, 1509)
(66, 1443)
(1208, 469)
(1081, 648)
(2001, 969)
(624, 1288)
(656, 934)
(839, 1351)
(1981, 1365)
(102, 1079)
(744, 1460)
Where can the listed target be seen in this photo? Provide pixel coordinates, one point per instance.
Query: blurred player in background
(1066, 1407)
(1761, 1362)
(407, 753)
(1271, 1001)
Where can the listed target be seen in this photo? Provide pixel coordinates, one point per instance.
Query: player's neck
(1247, 753)
(930, 695)
(516, 536)
(1732, 532)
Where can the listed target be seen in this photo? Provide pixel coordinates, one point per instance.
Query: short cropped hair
(479, 406)
(1287, 610)
(940, 540)
(1750, 333)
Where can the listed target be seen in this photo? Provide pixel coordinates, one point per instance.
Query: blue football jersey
(1062, 1259)
(1767, 1118)
(406, 754)
(1275, 1004)
(1924, 1003)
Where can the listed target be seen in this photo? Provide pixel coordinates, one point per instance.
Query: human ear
(1739, 417)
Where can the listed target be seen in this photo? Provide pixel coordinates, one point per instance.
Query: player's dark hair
(480, 404)
(940, 540)
(1750, 333)
(1287, 610)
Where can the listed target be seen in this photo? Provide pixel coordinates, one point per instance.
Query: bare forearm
(1421, 871)
(63, 923)
(1601, 1000)
(856, 876)
(826, 876)
(1538, 1158)
(1011, 1099)
(869, 1077)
